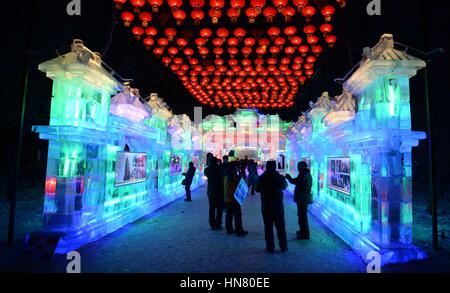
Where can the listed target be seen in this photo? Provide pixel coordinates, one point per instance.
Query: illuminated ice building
(114, 160)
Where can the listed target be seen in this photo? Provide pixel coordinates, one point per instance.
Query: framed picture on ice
(339, 175)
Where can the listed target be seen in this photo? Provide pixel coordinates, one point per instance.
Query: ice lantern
(381, 88)
(82, 88)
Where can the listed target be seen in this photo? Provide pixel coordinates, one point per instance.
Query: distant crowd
(224, 177)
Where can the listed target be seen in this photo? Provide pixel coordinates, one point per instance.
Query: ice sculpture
(127, 104)
(361, 159)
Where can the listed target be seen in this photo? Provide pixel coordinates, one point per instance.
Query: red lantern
(280, 41)
(258, 4)
(326, 28)
(288, 13)
(308, 12)
(309, 30)
(300, 4)
(303, 50)
(155, 4)
(197, 3)
(246, 51)
(331, 40)
(289, 50)
(295, 40)
(222, 33)
(163, 42)
(341, 3)
(127, 18)
(200, 42)
(170, 33)
(317, 50)
(197, 15)
(148, 42)
(238, 4)
(166, 60)
(290, 31)
(215, 14)
(311, 59)
(249, 42)
(312, 40)
(264, 42)
(273, 32)
(280, 4)
(205, 33)
(188, 52)
(203, 51)
(216, 4)
(158, 52)
(138, 32)
(218, 42)
(145, 17)
(233, 42)
(233, 13)
(175, 4)
(261, 51)
(251, 13)
(179, 16)
(120, 3)
(274, 50)
(218, 51)
(182, 43)
(269, 13)
(137, 4)
(328, 12)
(151, 31)
(239, 33)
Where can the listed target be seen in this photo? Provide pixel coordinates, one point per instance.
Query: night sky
(422, 24)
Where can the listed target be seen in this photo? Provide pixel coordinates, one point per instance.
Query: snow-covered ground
(177, 239)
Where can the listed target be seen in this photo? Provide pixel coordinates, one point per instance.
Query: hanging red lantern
(326, 28)
(120, 3)
(205, 33)
(175, 4)
(303, 50)
(279, 41)
(151, 31)
(215, 14)
(218, 42)
(200, 42)
(203, 51)
(166, 61)
(163, 42)
(331, 40)
(341, 3)
(289, 50)
(288, 13)
(251, 13)
(249, 42)
(179, 16)
(274, 50)
(298, 60)
(197, 3)
(308, 12)
(238, 4)
(182, 43)
(197, 15)
(148, 42)
(137, 4)
(239, 33)
(258, 4)
(300, 4)
(264, 42)
(222, 33)
(233, 42)
(127, 18)
(312, 40)
(188, 52)
(158, 52)
(328, 12)
(170, 33)
(217, 4)
(309, 30)
(280, 4)
(246, 51)
(290, 31)
(269, 13)
(138, 32)
(218, 52)
(233, 14)
(261, 51)
(145, 17)
(317, 50)
(273, 32)
(296, 40)
(232, 51)
(155, 4)
(311, 59)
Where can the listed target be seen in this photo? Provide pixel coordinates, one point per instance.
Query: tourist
(303, 198)
(215, 193)
(231, 182)
(189, 176)
(271, 185)
(252, 175)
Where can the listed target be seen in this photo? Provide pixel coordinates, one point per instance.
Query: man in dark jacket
(189, 176)
(303, 198)
(271, 185)
(215, 193)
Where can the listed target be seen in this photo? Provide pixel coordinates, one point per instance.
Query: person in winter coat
(215, 193)
(303, 198)
(271, 185)
(231, 182)
(189, 176)
(252, 176)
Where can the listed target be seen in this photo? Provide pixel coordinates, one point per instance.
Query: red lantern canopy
(233, 13)
(331, 40)
(175, 4)
(120, 3)
(197, 15)
(197, 3)
(258, 4)
(205, 33)
(170, 33)
(308, 12)
(137, 32)
(127, 18)
(251, 13)
(145, 17)
(273, 32)
(137, 4)
(179, 16)
(326, 28)
(155, 4)
(151, 31)
(300, 4)
(269, 13)
(215, 14)
(148, 42)
(328, 12)
(288, 13)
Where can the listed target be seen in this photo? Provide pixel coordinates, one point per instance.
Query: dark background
(423, 24)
